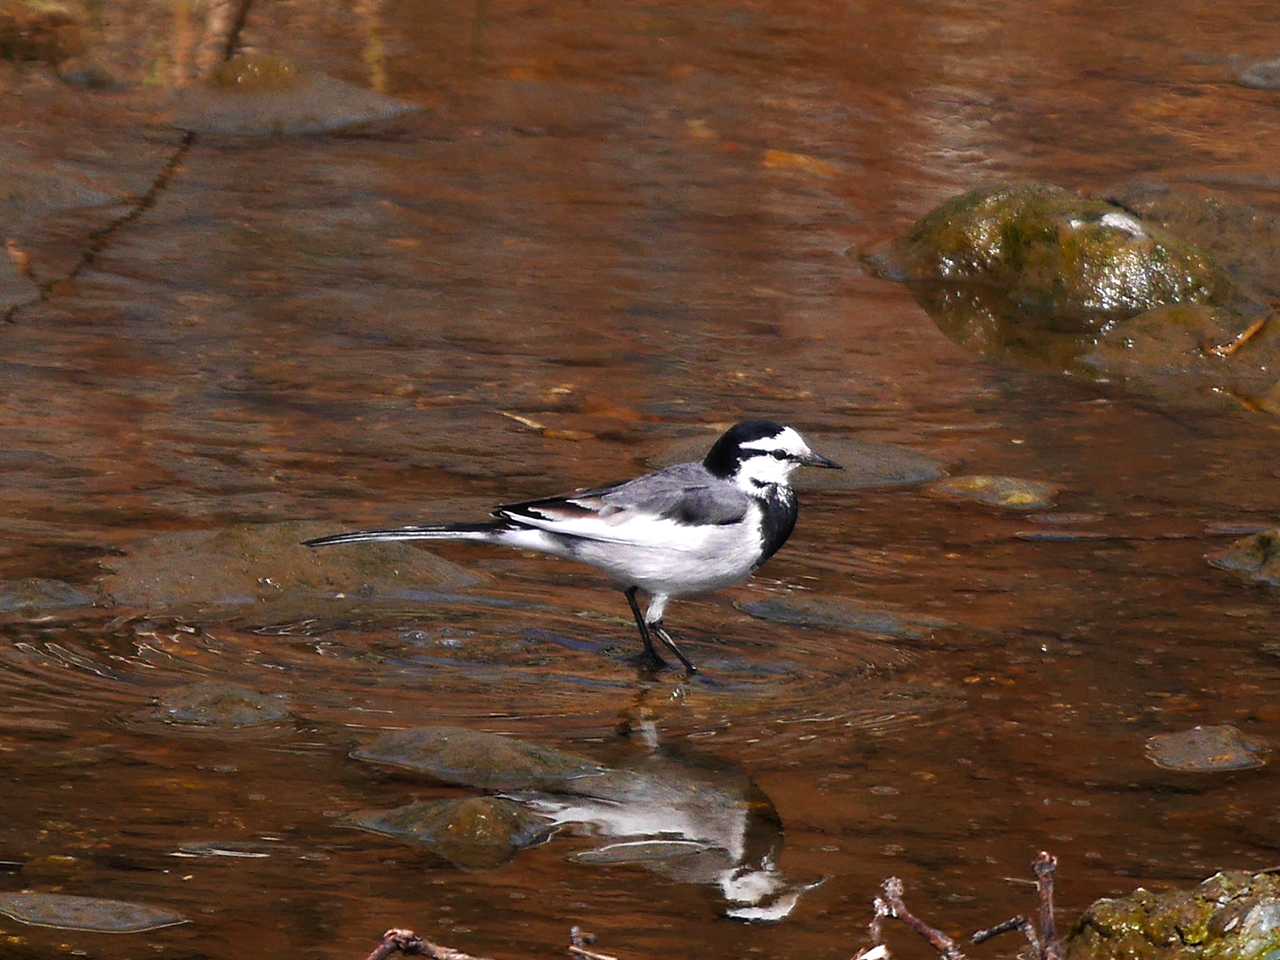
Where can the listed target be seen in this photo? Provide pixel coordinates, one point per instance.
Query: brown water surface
(630, 223)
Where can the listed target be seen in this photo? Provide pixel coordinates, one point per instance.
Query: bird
(687, 529)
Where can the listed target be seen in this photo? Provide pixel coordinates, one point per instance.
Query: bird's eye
(779, 455)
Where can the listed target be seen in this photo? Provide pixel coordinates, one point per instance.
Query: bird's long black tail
(440, 531)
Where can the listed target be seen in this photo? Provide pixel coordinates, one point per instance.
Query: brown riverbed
(613, 227)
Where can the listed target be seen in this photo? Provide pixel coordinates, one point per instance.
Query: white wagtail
(686, 529)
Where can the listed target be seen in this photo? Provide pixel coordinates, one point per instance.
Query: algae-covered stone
(214, 704)
(1256, 558)
(1207, 749)
(473, 833)
(1009, 493)
(85, 913)
(1230, 916)
(471, 758)
(267, 565)
(1055, 252)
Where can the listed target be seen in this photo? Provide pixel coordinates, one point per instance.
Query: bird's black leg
(665, 637)
(650, 653)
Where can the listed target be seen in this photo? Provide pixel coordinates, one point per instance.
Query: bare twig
(409, 943)
(1044, 867)
(1013, 923)
(946, 947)
(580, 940)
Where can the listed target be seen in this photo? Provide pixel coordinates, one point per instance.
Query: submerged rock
(260, 96)
(1230, 916)
(33, 596)
(866, 465)
(267, 565)
(85, 913)
(1010, 493)
(1256, 558)
(1055, 252)
(470, 758)
(1225, 358)
(216, 704)
(844, 614)
(47, 32)
(1261, 74)
(475, 833)
(1207, 749)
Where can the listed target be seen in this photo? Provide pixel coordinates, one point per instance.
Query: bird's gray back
(686, 492)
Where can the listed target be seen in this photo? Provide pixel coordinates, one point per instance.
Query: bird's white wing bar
(613, 525)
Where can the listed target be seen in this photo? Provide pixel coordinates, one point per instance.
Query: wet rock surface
(34, 596)
(866, 465)
(267, 567)
(85, 913)
(1008, 493)
(1230, 916)
(217, 704)
(470, 758)
(473, 833)
(1206, 749)
(1260, 74)
(1054, 252)
(260, 96)
(845, 614)
(1255, 558)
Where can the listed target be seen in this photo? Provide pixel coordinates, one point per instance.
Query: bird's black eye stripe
(779, 455)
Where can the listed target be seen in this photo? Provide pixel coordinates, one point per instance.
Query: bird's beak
(812, 459)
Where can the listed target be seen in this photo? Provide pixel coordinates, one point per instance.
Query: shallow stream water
(613, 227)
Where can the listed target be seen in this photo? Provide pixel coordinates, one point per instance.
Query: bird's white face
(770, 460)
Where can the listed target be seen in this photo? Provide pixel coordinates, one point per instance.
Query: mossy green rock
(1054, 251)
(1231, 916)
(473, 833)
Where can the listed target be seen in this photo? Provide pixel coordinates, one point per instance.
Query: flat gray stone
(85, 913)
(1207, 749)
(215, 704)
(866, 465)
(471, 758)
(265, 566)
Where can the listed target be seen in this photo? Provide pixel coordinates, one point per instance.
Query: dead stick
(1044, 867)
(1013, 923)
(579, 939)
(408, 942)
(945, 946)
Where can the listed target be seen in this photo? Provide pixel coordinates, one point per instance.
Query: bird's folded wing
(670, 509)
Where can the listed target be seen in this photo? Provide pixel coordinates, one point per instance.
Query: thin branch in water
(892, 895)
(1013, 923)
(1044, 866)
(580, 940)
(410, 944)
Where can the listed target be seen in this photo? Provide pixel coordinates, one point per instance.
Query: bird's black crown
(727, 453)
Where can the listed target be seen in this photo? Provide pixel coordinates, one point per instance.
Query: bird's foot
(657, 628)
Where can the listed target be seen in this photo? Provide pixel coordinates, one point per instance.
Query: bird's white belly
(699, 560)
